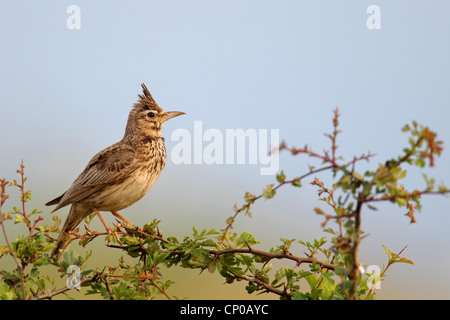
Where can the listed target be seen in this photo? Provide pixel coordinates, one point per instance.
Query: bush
(333, 269)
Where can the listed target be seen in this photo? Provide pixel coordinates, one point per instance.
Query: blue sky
(65, 95)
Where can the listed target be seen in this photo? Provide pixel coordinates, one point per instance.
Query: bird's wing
(111, 165)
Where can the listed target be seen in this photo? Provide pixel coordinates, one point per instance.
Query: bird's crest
(146, 94)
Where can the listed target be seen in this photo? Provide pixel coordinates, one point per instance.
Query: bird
(121, 174)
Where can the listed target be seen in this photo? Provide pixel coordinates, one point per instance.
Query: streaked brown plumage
(121, 174)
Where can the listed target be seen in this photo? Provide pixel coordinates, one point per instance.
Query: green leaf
(6, 293)
(389, 253)
(301, 296)
(18, 219)
(197, 252)
(420, 162)
(195, 231)
(268, 192)
(357, 176)
(250, 198)
(296, 182)
(42, 261)
(340, 271)
(401, 201)
(245, 239)
(281, 177)
(404, 260)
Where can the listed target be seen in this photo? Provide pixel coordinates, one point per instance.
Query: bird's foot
(108, 229)
(117, 215)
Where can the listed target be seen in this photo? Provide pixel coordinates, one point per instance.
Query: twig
(138, 230)
(8, 243)
(64, 289)
(354, 271)
(109, 289)
(261, 283)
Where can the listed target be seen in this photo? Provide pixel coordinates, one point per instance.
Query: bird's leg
(108, 229)
(117, 215)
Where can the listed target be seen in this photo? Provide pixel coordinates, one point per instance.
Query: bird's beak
(171, 114)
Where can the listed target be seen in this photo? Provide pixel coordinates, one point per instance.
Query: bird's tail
(76, 214)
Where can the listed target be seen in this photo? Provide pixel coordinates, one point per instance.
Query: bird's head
(147, 118)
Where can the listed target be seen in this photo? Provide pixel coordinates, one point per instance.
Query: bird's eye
(151, 114)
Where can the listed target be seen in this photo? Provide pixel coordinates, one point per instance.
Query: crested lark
(121, 174)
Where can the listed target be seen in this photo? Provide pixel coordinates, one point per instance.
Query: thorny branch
(273, 255)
